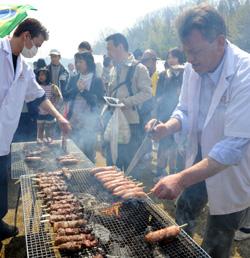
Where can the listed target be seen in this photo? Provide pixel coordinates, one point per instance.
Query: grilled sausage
(33, 159)
(99, 169)
(167, 233)
(68, 161)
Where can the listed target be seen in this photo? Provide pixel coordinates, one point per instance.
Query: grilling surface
(119, 226)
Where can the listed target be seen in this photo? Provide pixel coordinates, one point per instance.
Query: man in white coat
(213, 111)
(18, 84)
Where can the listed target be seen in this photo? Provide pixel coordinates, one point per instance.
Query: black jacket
(167, 94)
(93, 97)
(62, 83)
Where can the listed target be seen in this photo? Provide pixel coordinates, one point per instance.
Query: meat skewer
(69, 224)
(67, 217)
(167, 233)
(71, 238)
(72, 231)
(128, 189)
(99, 169)
(68, 161)
(33, 159)
(134, 194)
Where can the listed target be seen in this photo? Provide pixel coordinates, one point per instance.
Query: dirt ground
(15, 248)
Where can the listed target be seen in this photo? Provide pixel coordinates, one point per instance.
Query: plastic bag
(117, 132)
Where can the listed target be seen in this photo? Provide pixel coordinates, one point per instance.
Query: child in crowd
(46, 122)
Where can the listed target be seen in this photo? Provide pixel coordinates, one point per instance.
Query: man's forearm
(173, 125)
(200, 171)
(49, 107)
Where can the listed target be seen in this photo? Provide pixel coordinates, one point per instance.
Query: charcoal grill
(121, 236)
(19, 167)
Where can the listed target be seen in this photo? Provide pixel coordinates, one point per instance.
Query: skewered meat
(73, 201)
(59, 185)
(33, 153)
(69, 224)
(114, 180)
(68, 217)
(68, 156)
(124, 186)
(77, 245)
(70, 246)
(73, 231)
(59, 197)
(112, 175)
(134, 194)
(99, 169)
(47, 178)
(54, 188)
(65, 211)
(33, 159)
(50, 174)
(127, 190)
(53, 193)
(55, 207)
(68, 161)
(106, 181)
(108, 173)
(72, 238)
(167, 233)
(113, 184)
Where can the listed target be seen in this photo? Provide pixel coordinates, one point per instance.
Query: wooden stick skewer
(150, 192)
(183, 226)
(45, 215)
(44, 221)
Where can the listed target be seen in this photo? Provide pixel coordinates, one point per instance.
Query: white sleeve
(237, 122)
(34, 90)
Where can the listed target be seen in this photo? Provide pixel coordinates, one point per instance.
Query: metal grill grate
(38, 240)
(121, 236)
(19, 167)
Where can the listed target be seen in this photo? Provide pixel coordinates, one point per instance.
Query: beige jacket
(141, 86)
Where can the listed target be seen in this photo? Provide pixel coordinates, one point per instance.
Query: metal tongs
(64, 143)
(141, 150)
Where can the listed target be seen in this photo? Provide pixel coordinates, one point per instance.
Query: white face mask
(29, 53)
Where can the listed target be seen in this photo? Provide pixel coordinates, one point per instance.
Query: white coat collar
(19, 65)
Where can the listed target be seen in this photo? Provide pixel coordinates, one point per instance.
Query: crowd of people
(196, 109)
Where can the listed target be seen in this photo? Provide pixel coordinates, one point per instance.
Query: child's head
(43, 76)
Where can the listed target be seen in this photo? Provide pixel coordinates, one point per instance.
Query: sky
(70, 22)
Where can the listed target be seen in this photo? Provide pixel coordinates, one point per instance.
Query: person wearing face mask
(18, 85)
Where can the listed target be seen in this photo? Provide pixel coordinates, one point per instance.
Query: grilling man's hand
(158, 132)
(168, 187)
(64, 125)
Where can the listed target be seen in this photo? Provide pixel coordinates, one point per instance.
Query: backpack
(145, 111)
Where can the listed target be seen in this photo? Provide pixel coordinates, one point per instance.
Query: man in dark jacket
(58, 74)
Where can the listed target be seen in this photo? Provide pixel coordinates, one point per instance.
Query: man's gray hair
(203, 18)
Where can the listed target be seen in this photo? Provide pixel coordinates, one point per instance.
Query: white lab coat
(14, 90)
(228, 115)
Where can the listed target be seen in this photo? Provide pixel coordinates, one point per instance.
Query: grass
(15, 248)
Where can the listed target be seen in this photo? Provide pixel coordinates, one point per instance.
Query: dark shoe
(7, 231)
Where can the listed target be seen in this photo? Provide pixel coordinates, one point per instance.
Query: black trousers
(4, 168)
